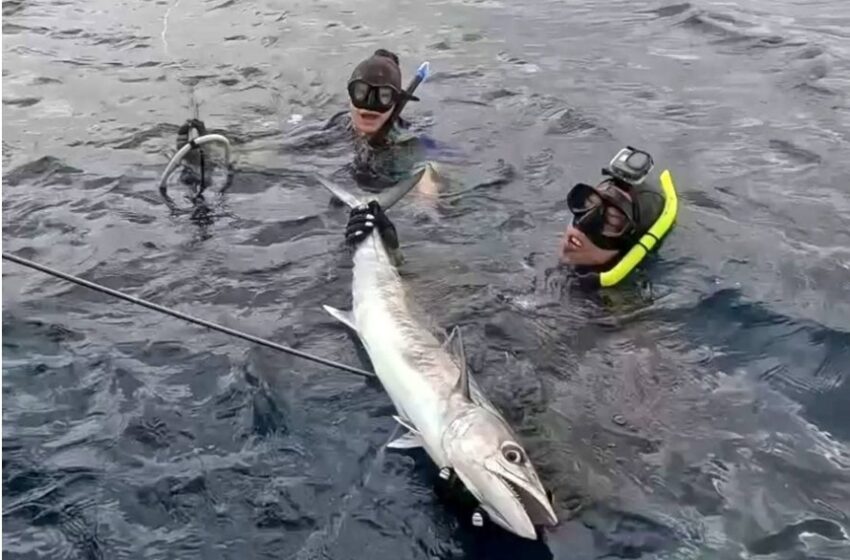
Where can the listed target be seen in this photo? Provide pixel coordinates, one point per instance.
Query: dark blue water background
(704, 413)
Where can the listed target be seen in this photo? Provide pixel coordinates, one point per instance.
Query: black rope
(179, 315)
(203, 178)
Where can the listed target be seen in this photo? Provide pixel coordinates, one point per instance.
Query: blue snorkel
(421, 75)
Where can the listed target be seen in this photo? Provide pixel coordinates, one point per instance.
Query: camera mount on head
(630, 166)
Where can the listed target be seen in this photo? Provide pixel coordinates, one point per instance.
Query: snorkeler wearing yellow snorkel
(619, 221)
(615, 224)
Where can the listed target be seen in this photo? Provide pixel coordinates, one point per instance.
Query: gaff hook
(186, 144)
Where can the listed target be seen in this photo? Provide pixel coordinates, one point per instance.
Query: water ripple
(700, 410)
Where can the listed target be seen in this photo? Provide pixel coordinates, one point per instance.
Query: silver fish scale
(373, 272)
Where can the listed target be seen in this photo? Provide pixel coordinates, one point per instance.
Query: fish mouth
(535, 508)
(534, 501)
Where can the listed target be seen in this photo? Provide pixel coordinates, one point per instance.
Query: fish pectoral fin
(410, 440)
(407, 441)
(407, 424)
(343, 316)
(386, 199)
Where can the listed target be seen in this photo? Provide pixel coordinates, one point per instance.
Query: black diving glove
(363, 219)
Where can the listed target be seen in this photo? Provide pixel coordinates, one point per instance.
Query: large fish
(440, 406)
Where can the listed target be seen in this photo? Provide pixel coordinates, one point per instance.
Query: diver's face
(368, 122)
(577, 250)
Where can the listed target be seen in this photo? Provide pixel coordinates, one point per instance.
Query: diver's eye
(513, 453)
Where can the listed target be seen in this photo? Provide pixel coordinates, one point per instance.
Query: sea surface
(699, 411)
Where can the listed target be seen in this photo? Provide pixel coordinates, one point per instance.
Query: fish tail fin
(386, 198)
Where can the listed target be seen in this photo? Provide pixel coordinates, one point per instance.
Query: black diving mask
(370, 97)
(605, 214)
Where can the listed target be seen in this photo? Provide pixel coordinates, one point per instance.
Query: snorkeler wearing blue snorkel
(376, 99)
(386, 151)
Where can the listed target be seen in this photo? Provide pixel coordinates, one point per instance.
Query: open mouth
(539, 513)
(574, 242)
(369, 117)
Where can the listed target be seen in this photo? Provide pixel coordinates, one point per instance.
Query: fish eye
(513, 453)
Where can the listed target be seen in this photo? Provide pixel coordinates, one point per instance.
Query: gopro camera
(630, 165)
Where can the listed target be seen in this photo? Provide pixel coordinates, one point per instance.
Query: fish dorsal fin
(454, 345)
(447, 344)
(386, 198)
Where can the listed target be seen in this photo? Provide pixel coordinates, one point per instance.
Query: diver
(375, 101)
(374, 93)
(385, 149)
(618, 222)
(615, 224)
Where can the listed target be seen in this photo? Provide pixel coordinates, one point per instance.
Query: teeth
(517, 494)
(513, 490)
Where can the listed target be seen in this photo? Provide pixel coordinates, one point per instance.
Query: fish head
(494, 467)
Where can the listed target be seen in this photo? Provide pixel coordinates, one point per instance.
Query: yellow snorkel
(648, 240)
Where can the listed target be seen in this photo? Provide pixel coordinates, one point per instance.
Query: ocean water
(701, 411)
